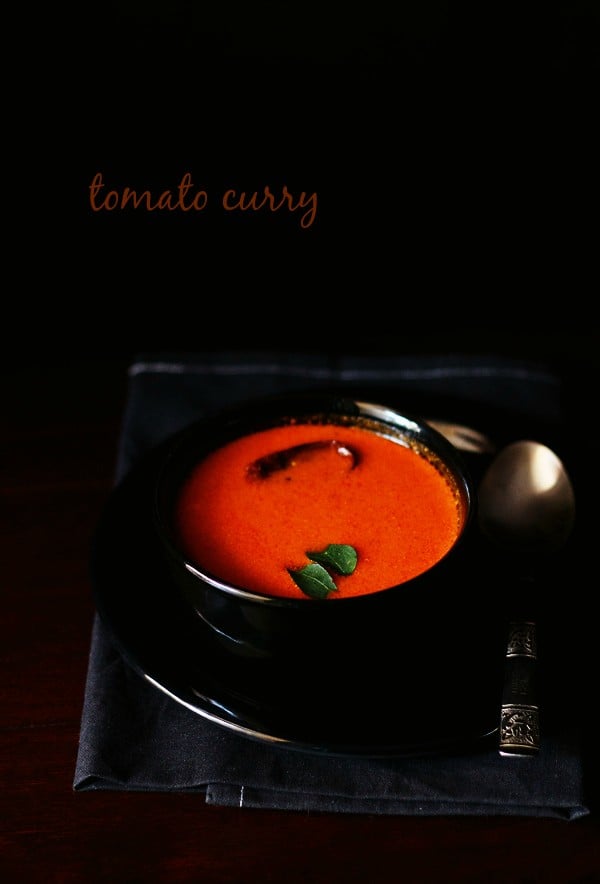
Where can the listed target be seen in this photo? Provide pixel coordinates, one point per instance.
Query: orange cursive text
(181, 199)
(187, 198)
(267, 199)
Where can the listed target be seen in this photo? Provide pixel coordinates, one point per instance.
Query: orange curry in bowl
(321, 510)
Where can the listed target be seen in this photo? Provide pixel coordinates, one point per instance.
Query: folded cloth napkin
(135, 737)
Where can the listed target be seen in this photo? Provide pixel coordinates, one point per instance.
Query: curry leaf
(338, 556)
(314, 581)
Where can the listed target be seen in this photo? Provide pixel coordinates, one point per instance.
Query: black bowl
(414, 615)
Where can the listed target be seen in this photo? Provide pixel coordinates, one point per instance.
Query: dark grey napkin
(135, 737)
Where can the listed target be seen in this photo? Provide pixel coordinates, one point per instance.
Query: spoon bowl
(526, 501)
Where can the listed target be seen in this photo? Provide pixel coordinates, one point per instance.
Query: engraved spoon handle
(519, 715)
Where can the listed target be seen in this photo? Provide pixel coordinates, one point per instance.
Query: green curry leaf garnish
(338, 556)
(314, 580)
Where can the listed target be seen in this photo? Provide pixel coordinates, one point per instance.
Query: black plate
(376, 701)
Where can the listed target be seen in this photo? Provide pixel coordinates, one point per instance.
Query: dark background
(453, 149)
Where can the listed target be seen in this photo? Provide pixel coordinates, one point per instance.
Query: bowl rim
(262, 412)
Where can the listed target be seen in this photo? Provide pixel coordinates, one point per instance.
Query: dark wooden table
(60, 423)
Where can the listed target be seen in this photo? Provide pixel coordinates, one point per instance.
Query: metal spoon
(526, 508)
